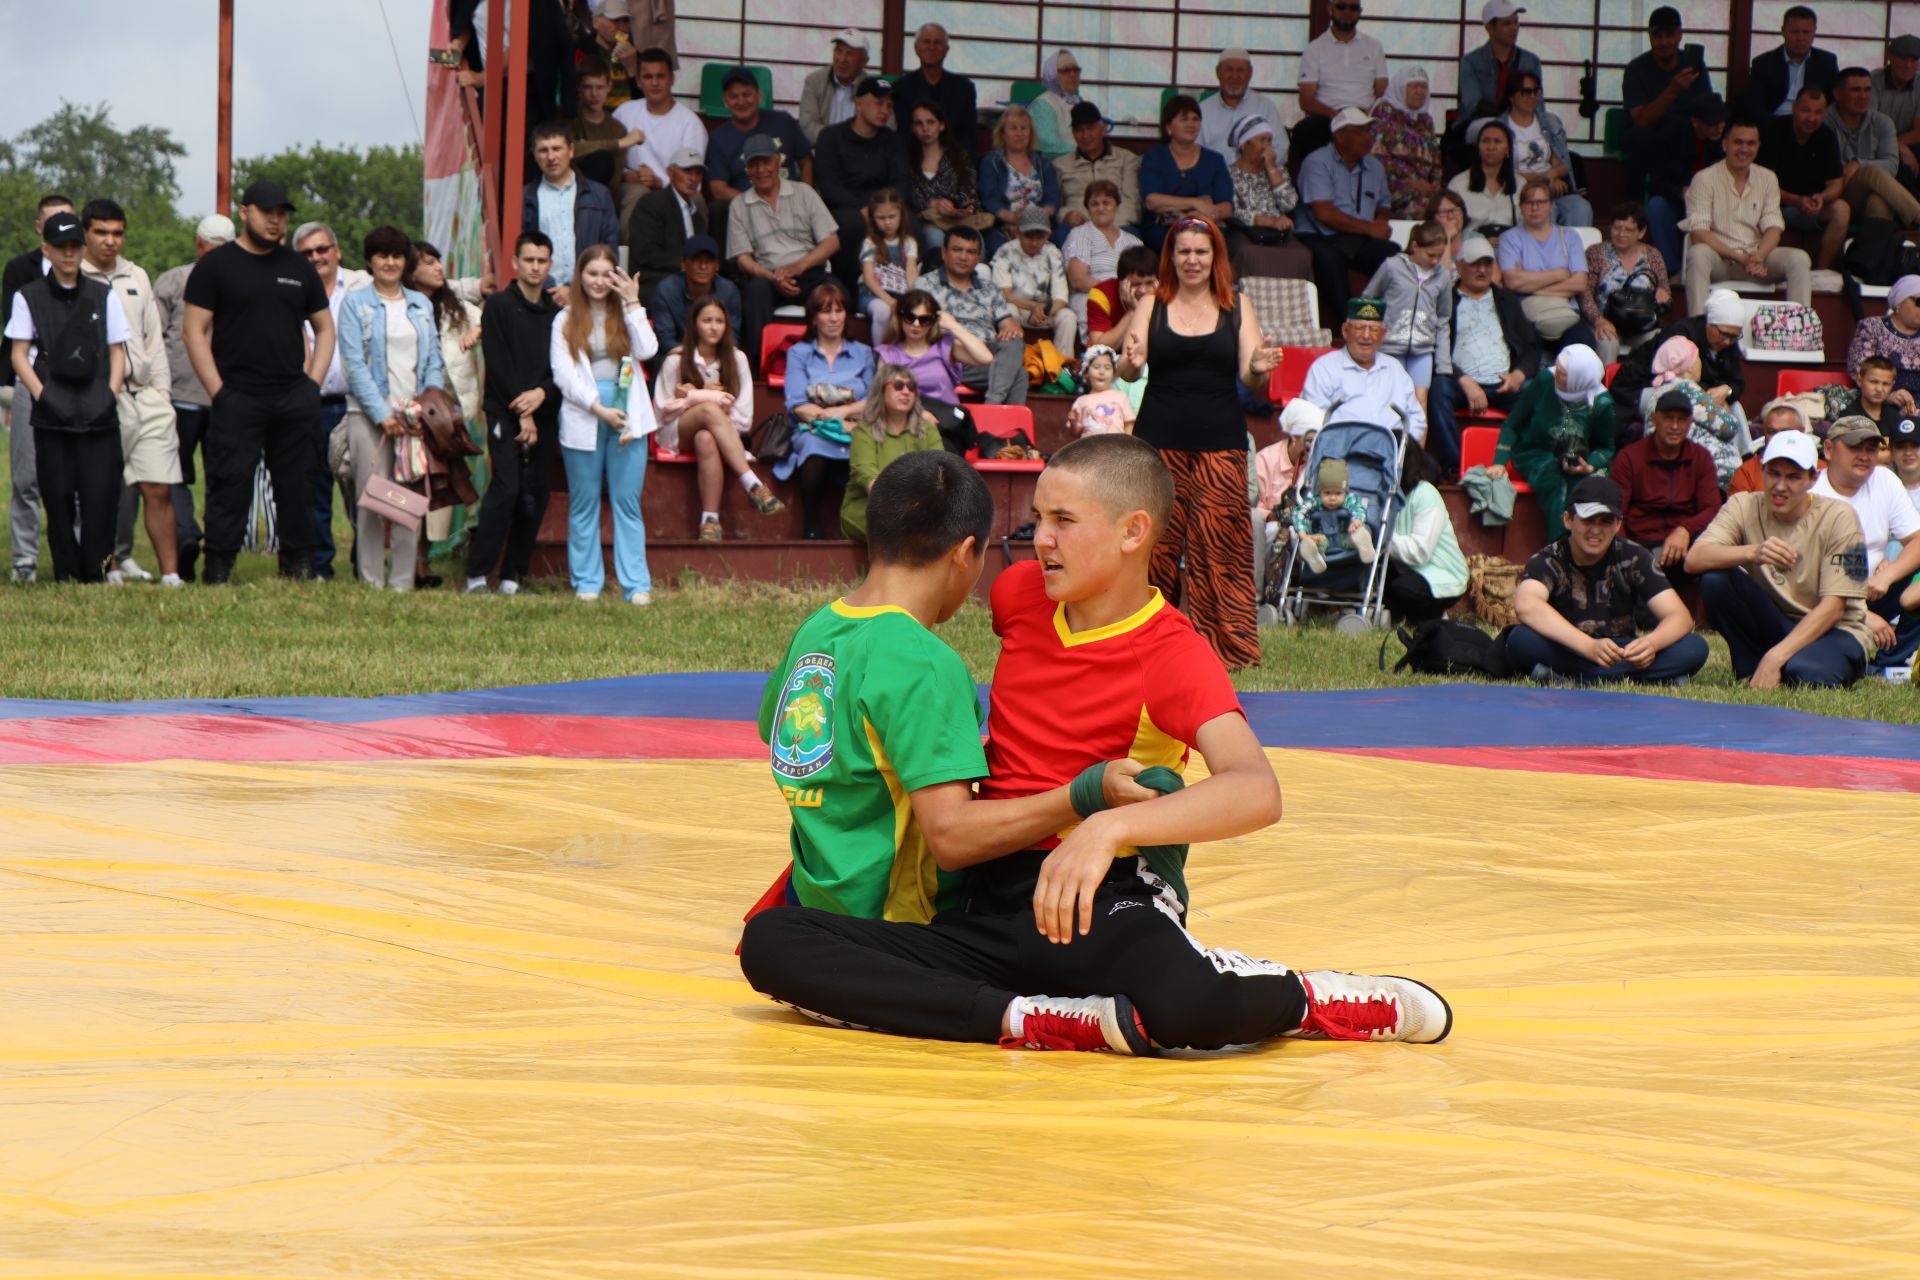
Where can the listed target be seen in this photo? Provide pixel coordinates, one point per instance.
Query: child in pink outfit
(1102, 410)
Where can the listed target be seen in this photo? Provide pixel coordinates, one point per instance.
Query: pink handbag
(394, 502)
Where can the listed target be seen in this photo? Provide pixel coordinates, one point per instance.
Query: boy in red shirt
(1095, 665)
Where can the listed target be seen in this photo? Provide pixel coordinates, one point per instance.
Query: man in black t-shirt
(1577, 599)
(1675, 120)
(246, 303)
(1805, 155)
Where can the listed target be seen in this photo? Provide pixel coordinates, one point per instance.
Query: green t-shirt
(867, 707)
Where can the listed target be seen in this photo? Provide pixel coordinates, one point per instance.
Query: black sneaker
(189, 560)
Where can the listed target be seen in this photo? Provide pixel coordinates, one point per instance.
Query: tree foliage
(80, 152)
(350, 190)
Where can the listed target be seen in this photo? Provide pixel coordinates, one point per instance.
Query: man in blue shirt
(570, 208)
(1359, 382)
(1344, 206)
(726, 170)
(699, 275)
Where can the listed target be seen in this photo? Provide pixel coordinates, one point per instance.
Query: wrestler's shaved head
(1122, 473)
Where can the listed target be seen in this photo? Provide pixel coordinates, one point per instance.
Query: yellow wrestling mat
(482, 1019)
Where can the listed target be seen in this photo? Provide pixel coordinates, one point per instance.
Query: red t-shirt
(1103, 306)
(1063, 700)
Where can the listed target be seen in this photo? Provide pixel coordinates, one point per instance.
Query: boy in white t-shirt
(1887, 519)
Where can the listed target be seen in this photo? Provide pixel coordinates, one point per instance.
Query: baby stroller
(1372, 454)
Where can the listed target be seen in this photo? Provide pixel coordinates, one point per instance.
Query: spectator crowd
(963, 237)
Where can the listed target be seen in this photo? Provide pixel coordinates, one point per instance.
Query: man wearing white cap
(1783, 573)
(827, 96)
(1341, 68)
(190, 399)
(1734, 225)
(1236, 102)
(1486, 72)
(1344, 209)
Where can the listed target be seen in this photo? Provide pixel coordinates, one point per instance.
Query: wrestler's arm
(1240, 796)
(962, 831)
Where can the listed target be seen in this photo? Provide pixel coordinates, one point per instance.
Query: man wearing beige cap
(189, 398)
(827, 95)
(1487, 72)
(1236, 102)
(1783, 574)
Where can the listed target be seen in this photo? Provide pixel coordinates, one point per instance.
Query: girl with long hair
(604, 425)
(1201, 337)
(1486, 187)
(889, 257)
(457, 317)
(704, 396)
(941, 185)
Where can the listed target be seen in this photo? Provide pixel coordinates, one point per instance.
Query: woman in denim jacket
(1540, 150)
(390, 352)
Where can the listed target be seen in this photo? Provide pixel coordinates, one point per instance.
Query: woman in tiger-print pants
(1200, 338)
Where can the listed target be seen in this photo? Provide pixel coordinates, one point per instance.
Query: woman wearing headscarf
(1723, 365)
(1052, 111)
(1259, 239)
(1560, 429)
(1895, 335)
(1407, 143)
(1716, 428)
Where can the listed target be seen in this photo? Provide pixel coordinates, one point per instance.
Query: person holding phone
(1668, 93)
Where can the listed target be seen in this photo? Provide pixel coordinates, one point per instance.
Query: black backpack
(1880, 254)
(1443, 647)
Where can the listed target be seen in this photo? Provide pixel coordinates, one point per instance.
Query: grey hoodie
(1419, 312)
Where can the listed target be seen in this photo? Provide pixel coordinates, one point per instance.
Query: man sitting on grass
(1095, 666)
(1579, 596)
(1784, 576)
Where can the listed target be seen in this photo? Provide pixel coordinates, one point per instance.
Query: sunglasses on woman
(915, 317)
(902, 384)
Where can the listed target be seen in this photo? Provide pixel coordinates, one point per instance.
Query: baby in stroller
(1338, 521)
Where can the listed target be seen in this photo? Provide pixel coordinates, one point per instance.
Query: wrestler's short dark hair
(925, 504)
(1125, 474)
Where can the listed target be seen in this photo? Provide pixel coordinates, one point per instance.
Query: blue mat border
(1419, 717)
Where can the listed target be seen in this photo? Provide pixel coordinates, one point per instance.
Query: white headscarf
(1725, 310)
(1586, 376)
(1397, 90)
(1050, 76)
(1302, 417)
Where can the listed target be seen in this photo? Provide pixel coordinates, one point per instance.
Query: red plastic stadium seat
(1004, 421)
(1477, 445)
(1794, 381)
(1607, 378)
(774, 341)
(661, 455)
(1285, 382)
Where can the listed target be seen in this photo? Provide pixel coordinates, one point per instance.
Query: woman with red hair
(1202, 337)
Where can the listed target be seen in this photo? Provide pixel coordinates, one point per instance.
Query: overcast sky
(312, 72)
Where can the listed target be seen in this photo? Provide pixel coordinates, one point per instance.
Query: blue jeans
(1663, 229)
(1750, 623)
(1527, 649)
(1906, 631)
(1572, 211)
(624, 470)
(323, 485)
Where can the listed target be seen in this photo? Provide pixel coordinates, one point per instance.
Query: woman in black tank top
(1202, 338)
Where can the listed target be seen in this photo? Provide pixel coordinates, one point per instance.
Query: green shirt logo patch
(803, 729)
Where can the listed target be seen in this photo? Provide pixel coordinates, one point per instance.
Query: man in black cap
(699, 275)
(1093, 158)
(246, 304)
(1671, 488)
(1579, 595)
(1667, 92)
(24, 509)
(851, 161)
(69, 352)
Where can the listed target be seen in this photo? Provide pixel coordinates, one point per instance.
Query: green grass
(262, 636)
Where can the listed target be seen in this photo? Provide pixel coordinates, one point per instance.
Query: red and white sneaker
(1089, 1024)
(1359, 1006)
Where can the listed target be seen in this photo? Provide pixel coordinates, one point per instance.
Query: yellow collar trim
(1139, 618)
(846, 610)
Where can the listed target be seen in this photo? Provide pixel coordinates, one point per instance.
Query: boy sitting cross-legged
(1095, 668)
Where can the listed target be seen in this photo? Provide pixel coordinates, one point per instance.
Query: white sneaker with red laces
(1092, 1024)
(1359, 1006)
